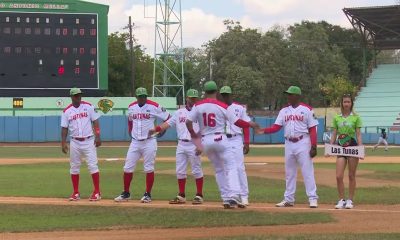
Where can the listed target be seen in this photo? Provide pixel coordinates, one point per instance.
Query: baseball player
(236, 137)
(141, 116)
(81, 120)
(212, 116)
(186, 150)
(300, 127)
(382, 140)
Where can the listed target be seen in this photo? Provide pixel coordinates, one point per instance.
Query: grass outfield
(120, 152)
(52, 180)
(340, 236)
(29, 218)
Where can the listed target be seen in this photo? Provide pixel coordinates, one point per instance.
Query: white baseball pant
(236, 142)
(221, 155)
(83, 149)
(299, 154)
(186, 153)
(146, 148)
(382, 141)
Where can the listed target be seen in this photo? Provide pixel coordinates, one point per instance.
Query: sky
(203, 19)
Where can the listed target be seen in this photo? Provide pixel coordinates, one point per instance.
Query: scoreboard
(49, 52)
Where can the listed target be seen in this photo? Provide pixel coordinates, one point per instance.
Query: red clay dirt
(362, 219)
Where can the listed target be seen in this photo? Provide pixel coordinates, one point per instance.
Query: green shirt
(347, 125)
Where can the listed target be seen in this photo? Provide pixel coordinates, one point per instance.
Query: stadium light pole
(168, 70)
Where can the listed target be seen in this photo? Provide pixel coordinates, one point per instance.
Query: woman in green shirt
(346, 126)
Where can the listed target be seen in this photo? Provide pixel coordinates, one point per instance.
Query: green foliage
(313, 55)
(119, 65)
(334, 88)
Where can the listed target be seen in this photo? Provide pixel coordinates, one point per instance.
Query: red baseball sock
(199, 186)
(75, 182)
(127, 181)
(96, 182)
(181, 184)
(149, 181)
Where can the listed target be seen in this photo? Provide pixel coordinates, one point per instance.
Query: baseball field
(35, 184)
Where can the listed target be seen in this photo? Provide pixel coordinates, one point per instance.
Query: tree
(234, 56)
(277, 66)
(315, 59)
(335, 88)
(119, 65)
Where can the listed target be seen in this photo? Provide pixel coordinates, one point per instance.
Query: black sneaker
(146, 198)
(124, 197)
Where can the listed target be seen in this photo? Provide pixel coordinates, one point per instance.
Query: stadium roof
(380, 26)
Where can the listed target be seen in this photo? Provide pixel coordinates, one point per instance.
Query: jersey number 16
(209, 120)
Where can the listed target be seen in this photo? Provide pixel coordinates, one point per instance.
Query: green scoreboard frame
(49, 46)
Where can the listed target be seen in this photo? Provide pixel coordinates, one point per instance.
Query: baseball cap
(225, 89)
(293, 90)
(192, 93)
(141, 92)
(210, 86)
(74, 91)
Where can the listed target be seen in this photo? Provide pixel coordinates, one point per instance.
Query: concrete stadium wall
(114, 128)
(53, 106)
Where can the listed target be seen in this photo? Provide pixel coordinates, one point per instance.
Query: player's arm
(246, 133)
(159, 128)
(162, 114)
(276, 127)
(64, 145)
(272, 129)
(239, 122)
(96, 130)
(94, 117)
(312, 130)
(64, 132)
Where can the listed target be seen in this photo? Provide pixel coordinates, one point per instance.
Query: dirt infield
(359, 220)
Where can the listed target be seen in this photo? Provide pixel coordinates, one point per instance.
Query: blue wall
(114, 128)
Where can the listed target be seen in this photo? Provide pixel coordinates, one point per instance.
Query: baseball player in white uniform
(236, 137)
(81, 120)
(212, 116)
(141, 117)
(300, 126)
(186, 150)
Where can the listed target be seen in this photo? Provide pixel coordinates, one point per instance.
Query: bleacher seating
(379, 102)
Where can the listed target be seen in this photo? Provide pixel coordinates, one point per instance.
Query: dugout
(379, 27)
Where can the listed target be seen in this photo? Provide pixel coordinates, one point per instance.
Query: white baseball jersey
(212, 116)
(143, 118)
(79, 120)
(179, 121)
(240, 112)
(296, 121)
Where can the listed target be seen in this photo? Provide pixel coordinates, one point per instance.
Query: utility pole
(132, 55)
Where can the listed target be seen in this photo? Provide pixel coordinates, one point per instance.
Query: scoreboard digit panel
(48, 51)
